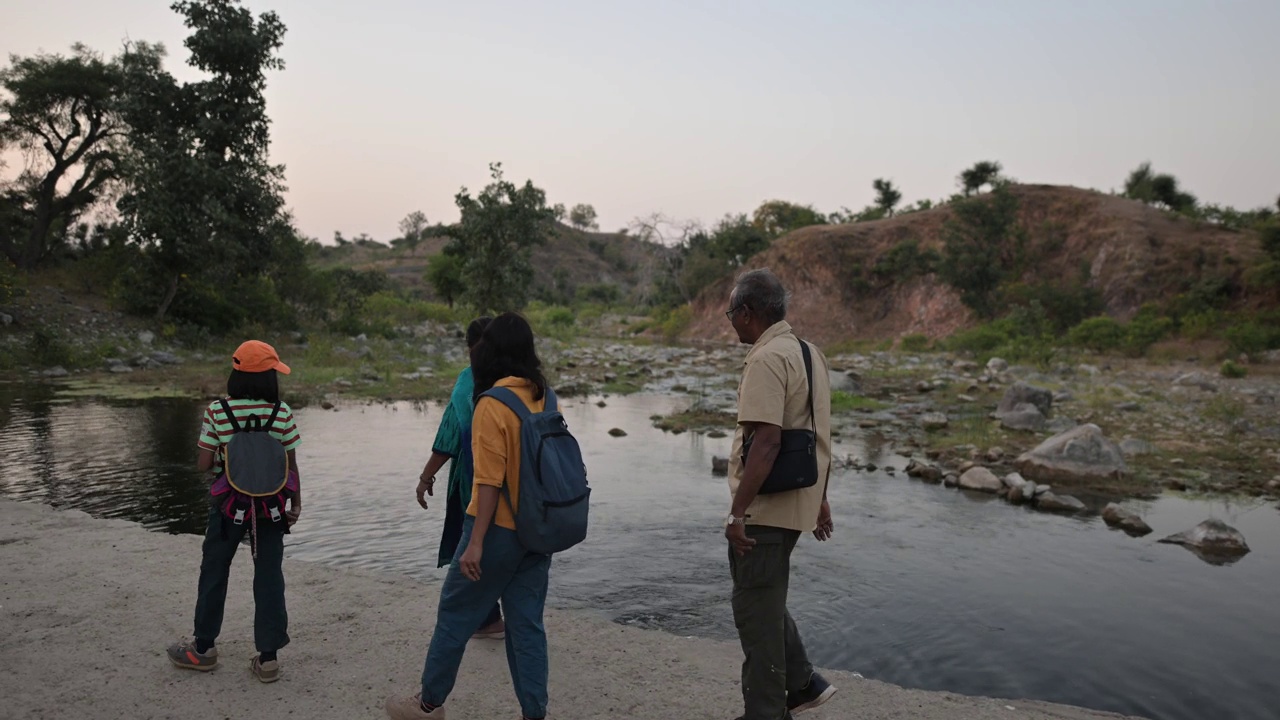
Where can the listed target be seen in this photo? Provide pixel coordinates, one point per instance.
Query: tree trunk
(168, 299)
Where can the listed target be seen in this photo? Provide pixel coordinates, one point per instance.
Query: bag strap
(808, 372)
(507, 397)
(226, 408)
(272, 420)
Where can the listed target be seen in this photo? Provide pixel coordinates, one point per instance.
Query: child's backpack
(553, 505)
(255, 472)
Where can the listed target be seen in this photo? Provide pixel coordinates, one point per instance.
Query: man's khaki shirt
(774, 390)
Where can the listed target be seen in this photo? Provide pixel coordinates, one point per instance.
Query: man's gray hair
(762, 291)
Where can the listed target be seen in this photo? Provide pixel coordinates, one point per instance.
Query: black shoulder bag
(796, 466)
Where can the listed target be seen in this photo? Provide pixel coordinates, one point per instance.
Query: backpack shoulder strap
(271, 421)
(510, 399)
(549, 400)
(231, 417)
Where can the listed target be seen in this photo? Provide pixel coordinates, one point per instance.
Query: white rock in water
(1212, 537)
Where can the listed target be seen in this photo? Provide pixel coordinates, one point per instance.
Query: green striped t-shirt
(217, 430)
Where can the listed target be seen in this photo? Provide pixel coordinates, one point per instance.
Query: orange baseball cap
(256, 356)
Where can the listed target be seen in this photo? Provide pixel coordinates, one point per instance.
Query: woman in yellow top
(491, 564)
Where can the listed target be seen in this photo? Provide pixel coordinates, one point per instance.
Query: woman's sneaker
(184, 655)
(817, 692)
(267, 672)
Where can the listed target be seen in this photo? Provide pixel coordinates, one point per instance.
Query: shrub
(675, 321)
(914, 343)
(46, 348)
(604, 293)
(1230, 369)
(980, 339)
(1251, 337)
(1099, 334)
(10, 287)
(1146, 329)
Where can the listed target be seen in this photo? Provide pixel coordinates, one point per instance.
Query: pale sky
(696, 109)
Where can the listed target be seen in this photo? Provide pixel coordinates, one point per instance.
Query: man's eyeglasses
(729, 313)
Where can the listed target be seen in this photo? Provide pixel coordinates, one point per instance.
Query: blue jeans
(517, 577)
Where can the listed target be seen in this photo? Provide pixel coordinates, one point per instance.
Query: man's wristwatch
(735, 520)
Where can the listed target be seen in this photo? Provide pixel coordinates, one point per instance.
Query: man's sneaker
(267, 672)
(410, 708)
(496, 631)
(817, 692)
(184, 655)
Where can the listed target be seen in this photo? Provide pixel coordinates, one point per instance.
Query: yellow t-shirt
(774, 390)
(495, 447)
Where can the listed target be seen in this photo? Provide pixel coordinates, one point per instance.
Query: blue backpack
(554, 494)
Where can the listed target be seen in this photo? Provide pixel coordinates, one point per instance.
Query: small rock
(1126, 520)
(1063, 396)
(56, 371)
(1016, 495)
(343, 383)
(166, 358)
(405, 376)
(1132, 447)
(933, 421)
(1041, 490)
(6, 319)
(1058, 503)
(1013, 480)
(996, 365)
(1196, 379)
(1128, 407)
(951, 480)
(717, 434)
(361, 338)
(980, 479)
(602, 404)
(1060, 425)
(994, 454)
(1020, 393)
(924, 386)
(719, 465)
(1023, 416)
(966, 398)
(326, 405)
(146, 337)
(868, 423)
(618, 432)
(119, 369)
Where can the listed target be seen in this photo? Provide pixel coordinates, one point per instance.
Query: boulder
(719, 465)
(1024, 416)
(923, 471)
(1013, 480)
(980, 479)
(1058, 503)
(933, 421)
(1020, 393)
(1117, 517)
(1080, 454)
(1212, 540)
(996, 365)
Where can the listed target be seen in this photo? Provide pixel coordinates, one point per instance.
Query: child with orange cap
(253, 403)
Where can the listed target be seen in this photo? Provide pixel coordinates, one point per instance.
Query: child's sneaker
(184, 655)
(411, 708)
(267, 672)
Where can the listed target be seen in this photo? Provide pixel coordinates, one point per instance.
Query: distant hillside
(569, 260)
(1130, 252)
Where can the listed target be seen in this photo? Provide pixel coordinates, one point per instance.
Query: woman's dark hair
(476, 329)
(264, 386)
(506, 350)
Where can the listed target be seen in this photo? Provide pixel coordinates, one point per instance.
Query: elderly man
(774, 396)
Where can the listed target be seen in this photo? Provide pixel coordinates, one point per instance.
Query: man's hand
(426, 486)
(737, 536)
(825, 526)
(469, 563)
(295, 509)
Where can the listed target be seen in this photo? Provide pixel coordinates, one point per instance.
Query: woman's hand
(469, 563)
(426, 486)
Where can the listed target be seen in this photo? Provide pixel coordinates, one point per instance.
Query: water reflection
(922, 586)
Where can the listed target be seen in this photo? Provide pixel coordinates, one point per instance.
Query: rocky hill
(1129, 252)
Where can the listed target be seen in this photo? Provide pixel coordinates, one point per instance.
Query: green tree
(982, 246)
(887, 196)
(496, 235)
(583, 217)
(735, 239)
(202, 198)
(62, 112)
(444, 272)
(1138, 186)
(1146, 186)
(986, 172)
(779, 217)
(413, 228)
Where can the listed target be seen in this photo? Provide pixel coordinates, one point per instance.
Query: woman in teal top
(453, 442)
